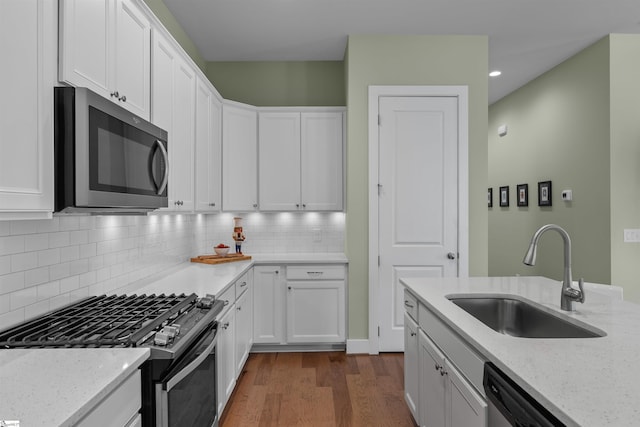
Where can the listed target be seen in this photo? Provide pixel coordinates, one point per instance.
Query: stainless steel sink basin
(519, 318)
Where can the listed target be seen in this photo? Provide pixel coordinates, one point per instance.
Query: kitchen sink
(519, 318)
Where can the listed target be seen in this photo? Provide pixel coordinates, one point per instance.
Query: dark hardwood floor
(319, 389)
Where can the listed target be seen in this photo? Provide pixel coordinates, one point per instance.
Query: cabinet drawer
(315, 272)
(229, 298)
(242, 284)
(470, 364)
(411, 305)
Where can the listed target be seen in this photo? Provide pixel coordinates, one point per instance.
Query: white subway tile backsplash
(48, 257)
(36, 276)
(23, 261)
(71, 257)
(11, 245)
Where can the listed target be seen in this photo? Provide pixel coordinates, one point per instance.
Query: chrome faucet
(569, 294)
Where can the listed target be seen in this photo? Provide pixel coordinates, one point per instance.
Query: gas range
(164, 323)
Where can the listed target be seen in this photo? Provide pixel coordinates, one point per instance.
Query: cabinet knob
(123, 98)
(304, 206)
(297, 205)
(255, 205)
(413, 334)
(277, 272)
(238, 308)
(212, 204)
(226, 302)
(289, 287)
(115, 94)
(225, 326)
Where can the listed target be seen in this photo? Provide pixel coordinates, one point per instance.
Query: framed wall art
(490, 197)
(544, 193)
(504, 196)
(523, 194)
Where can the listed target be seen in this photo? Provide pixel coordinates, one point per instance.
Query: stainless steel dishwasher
(510, 405)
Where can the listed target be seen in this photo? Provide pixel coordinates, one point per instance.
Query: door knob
(451, 255)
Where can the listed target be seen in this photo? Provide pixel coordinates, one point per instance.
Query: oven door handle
(184, 372)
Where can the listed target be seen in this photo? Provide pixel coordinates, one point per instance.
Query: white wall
(49, 263)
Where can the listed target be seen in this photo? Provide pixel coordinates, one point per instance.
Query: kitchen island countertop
(584, 382)
(58, 387)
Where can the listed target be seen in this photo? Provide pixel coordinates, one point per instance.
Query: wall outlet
(631, 235)
(317, 235)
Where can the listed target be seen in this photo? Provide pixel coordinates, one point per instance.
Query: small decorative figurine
(238, 235)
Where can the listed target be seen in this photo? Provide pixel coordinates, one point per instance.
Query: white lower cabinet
(119, 408)
(268, 311)
(235, 335)
(438, 392)
(299, 304)
(225, 357)
(411, 380)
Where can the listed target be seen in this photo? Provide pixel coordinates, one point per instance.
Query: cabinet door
(268, 309)
(132, 58)
(28, 46)
(432, 385)
(86, 44)
(315, 311)
(225, 354)
(322, 168)
(208, 149)
(466, 407)
(244, 328)
(279, 161)
(411, 380)
(163, 55)
(181, 141)
(239, 159)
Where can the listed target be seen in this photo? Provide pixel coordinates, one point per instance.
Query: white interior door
(418, 201)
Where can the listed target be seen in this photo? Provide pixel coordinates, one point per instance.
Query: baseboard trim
(359, 346)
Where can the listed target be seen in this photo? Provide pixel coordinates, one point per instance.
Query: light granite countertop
(584, 382)
(213, 279)
(57, 387)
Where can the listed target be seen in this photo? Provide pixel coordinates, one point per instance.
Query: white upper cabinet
(28, 35)
(300, 161)
(105, 46)
(173, 109)
(208, 160)
(322, 161)
(239, 158)
(279, 161)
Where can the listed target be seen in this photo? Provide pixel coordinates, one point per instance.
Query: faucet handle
(581, 286)
(575, 294)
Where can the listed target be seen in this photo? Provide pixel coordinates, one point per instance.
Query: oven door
(186, 395)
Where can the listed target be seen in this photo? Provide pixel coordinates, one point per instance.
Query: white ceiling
(526, 37)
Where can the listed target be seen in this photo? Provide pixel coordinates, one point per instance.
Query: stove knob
(171, 331)
(160, 338)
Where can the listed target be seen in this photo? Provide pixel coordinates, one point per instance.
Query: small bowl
(221, 251)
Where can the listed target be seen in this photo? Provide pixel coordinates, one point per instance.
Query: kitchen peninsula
(582, 381)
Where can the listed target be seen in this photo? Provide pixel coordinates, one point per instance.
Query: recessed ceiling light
(495, 73)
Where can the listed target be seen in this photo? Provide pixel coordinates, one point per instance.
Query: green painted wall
(164, 15)
(410, 60)
(625, 161)
(301, 83)
(558, 130)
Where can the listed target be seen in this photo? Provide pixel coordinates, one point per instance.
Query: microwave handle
(165, 178)
(173, 381)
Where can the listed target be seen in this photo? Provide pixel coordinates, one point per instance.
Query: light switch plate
(631, 235)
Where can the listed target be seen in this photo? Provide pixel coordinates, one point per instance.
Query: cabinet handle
(243, 284)
(123, 98)
(406, 303)
(115, 94)
(226, 302)
(438, 367)
(238, 308)
(413, 334)
(225, 326)
(315, 273)
(212, 204)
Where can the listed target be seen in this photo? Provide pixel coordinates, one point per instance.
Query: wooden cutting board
(219, 259)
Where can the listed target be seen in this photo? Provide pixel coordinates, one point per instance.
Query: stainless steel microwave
(107, 160)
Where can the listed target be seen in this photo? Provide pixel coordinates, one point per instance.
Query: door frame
(375, 92)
